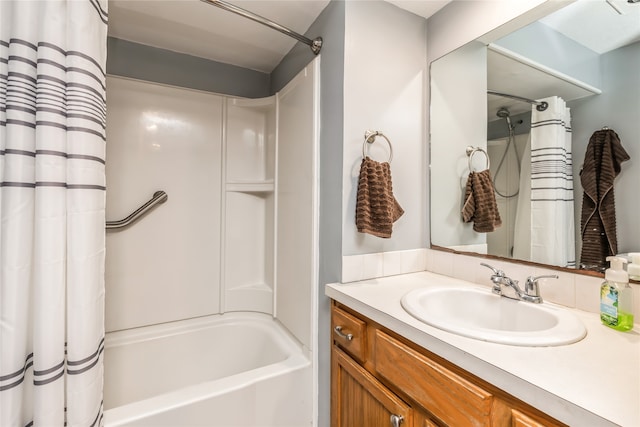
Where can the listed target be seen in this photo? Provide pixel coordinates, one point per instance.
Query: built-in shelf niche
(250, 152)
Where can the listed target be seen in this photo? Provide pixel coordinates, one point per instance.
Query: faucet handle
(497, 272)
(531, 287)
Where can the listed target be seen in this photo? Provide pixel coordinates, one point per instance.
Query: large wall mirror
(581, 66)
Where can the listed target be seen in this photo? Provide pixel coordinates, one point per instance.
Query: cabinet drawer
(451, 398)
(349, 333)
(518, 419)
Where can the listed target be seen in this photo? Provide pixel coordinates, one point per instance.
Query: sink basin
(477, 313)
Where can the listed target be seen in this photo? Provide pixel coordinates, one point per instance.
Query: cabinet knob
(338, 330)
(396, 420)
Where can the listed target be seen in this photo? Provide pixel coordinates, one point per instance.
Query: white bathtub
(238, 369)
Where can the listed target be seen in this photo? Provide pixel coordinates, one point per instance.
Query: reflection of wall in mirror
(616, 74)
(460, 75)
(505, 170)
(618, 107)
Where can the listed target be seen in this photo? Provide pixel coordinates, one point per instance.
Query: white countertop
(594, 382)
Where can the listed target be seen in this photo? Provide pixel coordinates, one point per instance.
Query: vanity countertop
(594, 382)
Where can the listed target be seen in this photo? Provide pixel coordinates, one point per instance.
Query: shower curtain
(544, 220)
(52, 204)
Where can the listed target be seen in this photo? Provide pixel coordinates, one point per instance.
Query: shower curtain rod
(315, 44)
(540, 105)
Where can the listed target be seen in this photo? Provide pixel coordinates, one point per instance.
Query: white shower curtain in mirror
(52, 204)
(544, 220)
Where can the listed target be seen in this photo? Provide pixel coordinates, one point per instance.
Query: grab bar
(158, 197)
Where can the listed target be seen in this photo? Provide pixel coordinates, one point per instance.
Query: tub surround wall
(166, 266)
(249, 205)
(214, 246)
(218, 245)
(297, 205)
(192, 145)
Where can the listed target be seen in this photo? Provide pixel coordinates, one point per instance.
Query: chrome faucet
(507, 287)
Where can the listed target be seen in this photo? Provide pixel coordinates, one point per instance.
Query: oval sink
(477, 313)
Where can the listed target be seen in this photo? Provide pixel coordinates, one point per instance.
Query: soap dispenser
(616, 299)
(634, 268)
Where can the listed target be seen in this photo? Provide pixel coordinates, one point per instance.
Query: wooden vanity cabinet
(358, 399)
(379, 379)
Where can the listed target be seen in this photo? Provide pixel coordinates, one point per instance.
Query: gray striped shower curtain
(552, 201)
(52, 209)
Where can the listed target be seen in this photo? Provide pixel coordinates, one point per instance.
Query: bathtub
(237, 369)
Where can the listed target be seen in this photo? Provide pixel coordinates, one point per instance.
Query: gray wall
(618, 107)
(138, 61)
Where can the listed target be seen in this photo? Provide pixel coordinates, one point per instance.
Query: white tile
(559, 291)
(466, 268)
(442, 262)
(392, 263)
(373, 265)
(352, 268)
(519, 272)
(413, 260)
(429, 259)
(588, 293)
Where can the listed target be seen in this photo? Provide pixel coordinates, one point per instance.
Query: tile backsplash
(369, 266)
(570, 290)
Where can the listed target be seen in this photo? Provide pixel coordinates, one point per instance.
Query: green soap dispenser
(616, 299)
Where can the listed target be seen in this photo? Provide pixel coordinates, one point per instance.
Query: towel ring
(473, 150)
(370, 137)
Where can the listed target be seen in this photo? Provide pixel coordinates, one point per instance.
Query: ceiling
(599, 25)
(200, 29)
(594, 24)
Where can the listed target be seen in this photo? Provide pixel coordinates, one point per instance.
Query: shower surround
(236, 240)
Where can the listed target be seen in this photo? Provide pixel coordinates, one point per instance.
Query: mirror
(587, 55)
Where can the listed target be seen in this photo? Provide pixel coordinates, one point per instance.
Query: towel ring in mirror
(473, 150)
(370, 137)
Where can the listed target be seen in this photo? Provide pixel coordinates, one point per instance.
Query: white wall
(297, 205)
(166, 266)
(384, 90)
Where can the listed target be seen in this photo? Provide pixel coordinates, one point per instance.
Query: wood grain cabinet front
(349, 333)
(380, 379)
(451, 398)
(358, 399)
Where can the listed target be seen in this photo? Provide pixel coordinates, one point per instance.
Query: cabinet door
(359, 400)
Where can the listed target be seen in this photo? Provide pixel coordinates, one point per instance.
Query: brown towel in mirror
(376, 207)
(480, 203)
(602, 164)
